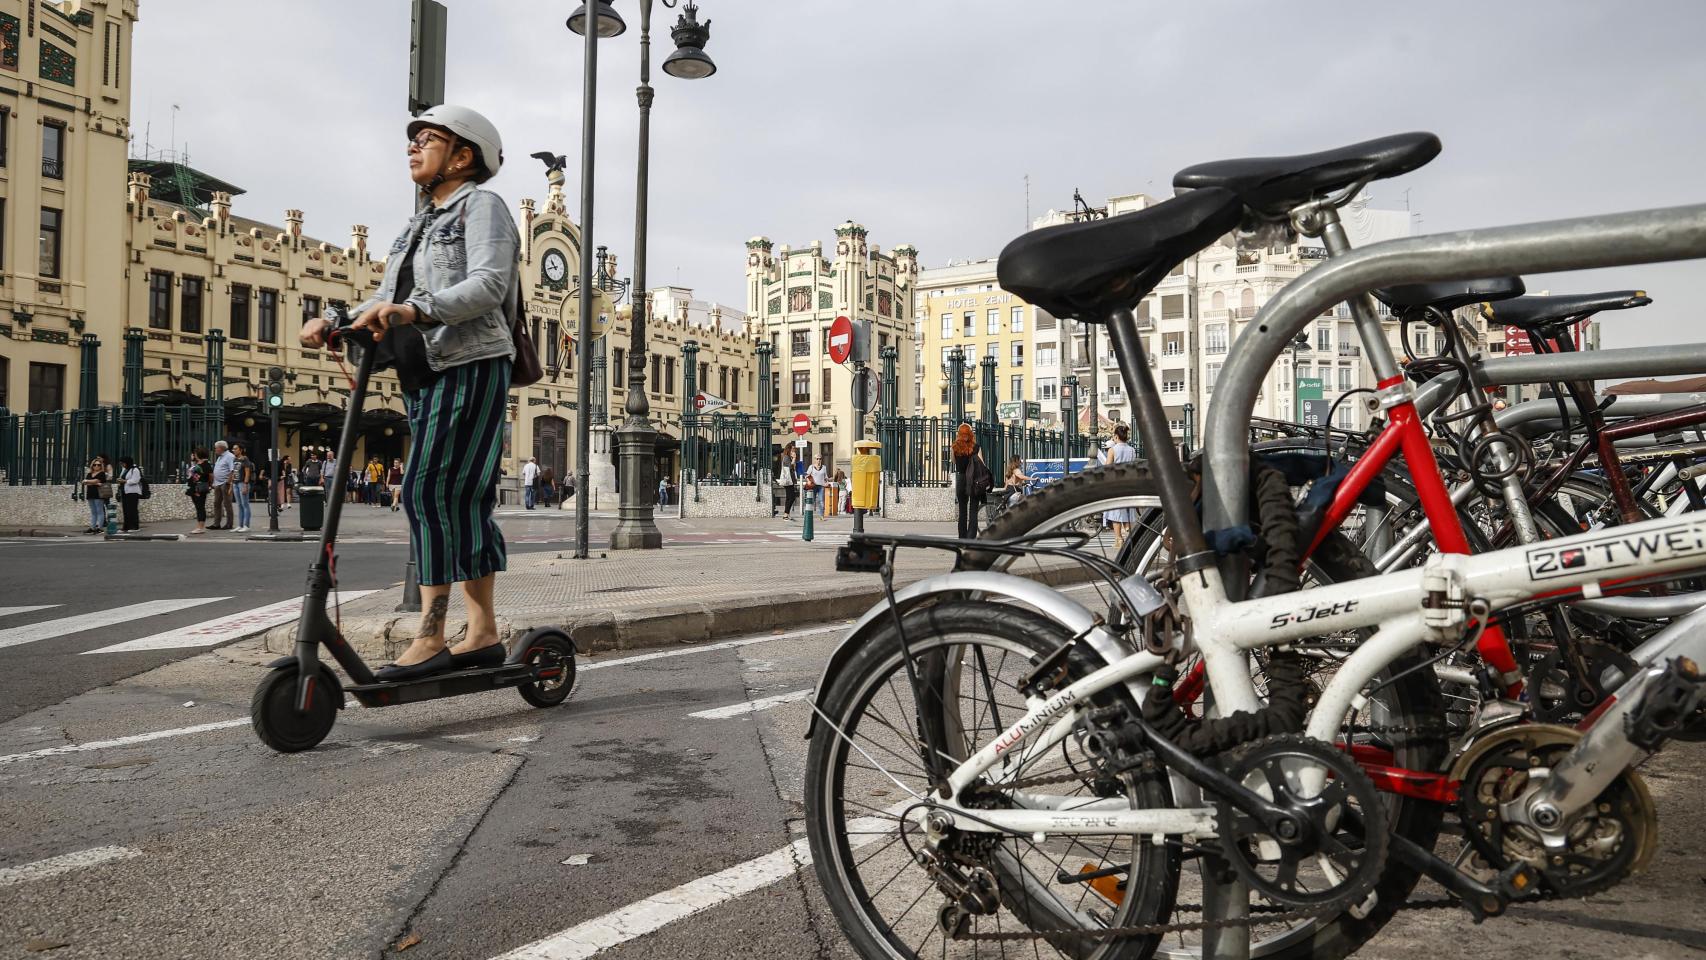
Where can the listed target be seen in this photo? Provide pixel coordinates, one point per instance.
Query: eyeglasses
(423, 141)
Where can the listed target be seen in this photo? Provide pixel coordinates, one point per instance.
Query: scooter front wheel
(279, 724)
(552, 655)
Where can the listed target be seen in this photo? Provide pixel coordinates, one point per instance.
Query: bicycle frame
(1588, 564)
(1408, 606)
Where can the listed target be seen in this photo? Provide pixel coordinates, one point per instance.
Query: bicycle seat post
(1325, 217)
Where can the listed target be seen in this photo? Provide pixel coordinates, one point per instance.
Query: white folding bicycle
(983, 773)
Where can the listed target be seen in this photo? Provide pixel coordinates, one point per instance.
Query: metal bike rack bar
(1646, 236)
(1667, 361)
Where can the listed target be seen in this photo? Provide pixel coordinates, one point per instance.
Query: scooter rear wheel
(551, 652)
(279, 724)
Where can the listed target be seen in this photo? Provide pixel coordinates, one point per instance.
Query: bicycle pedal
(1519, 881)
(1667, 705)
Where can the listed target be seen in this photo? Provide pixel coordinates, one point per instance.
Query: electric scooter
(298, 700)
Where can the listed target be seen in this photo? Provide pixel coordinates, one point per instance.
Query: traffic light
(275, 387)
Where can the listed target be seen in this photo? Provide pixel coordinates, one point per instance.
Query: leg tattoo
(432, 619)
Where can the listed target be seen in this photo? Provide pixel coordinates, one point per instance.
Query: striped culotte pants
(451, 483)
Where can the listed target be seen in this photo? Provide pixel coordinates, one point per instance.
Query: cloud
(922, 118)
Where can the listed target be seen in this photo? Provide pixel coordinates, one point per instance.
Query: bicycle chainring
(1340, 851)
(1610, 840)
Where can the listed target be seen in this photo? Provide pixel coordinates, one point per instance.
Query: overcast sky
(922, 118)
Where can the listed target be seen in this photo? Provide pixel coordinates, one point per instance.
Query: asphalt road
(654, 815)
(85, 575)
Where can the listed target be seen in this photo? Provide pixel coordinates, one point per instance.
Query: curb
(144, 536)
(380, 638)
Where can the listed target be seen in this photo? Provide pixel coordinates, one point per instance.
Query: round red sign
(841, 339)
(802, 424)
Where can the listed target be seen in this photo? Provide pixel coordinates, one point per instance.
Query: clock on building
(555, 266)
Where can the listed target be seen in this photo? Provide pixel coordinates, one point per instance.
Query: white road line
(54, 866)
(48, 629)
(123, 741)
(223, 724)
(8, 611)
(225, 628)
(660, 910)
(752, 706)
(709, 647)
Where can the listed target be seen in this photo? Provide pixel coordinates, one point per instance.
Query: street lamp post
(636, 439)
(605, 22)
(1299, 342)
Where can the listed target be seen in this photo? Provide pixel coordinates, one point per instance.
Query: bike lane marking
(753, 706)
(225, 629)
(123, 741)
(65, 863)
(64, 626)
(223, 724)
(695, 896)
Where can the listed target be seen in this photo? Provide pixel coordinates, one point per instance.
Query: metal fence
(56, 446)
(718, 450)
(918, 451)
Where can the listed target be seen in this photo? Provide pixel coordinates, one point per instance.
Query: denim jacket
(466, 276)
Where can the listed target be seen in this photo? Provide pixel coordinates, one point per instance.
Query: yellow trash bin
(867, 474)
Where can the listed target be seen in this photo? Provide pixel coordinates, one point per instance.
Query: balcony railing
(52, 168)
(1350, 350)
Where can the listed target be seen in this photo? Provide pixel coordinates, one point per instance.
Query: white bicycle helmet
(469, 127)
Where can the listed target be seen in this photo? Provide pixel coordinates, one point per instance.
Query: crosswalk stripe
(225, 628)
(48, 629)
(752, 706)
(8, 611)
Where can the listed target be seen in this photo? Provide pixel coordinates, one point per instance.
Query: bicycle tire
(930, 632)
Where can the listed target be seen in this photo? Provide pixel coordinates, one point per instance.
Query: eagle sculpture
(554, 163)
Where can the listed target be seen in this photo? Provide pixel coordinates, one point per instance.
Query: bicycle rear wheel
(865, 770)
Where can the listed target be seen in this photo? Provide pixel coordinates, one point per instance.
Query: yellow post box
(867, 473)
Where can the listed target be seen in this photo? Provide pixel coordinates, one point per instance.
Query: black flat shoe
(437, 663)
(491, 655)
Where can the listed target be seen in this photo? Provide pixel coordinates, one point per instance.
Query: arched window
(1247, 301)
(1218, 301)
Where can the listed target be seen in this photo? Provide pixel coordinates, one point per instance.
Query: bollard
(112, 518)
(806, 520)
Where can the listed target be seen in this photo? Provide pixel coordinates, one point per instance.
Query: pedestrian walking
(529, 482)
(972, 480)
(663, 491)
(96, 490)
(309, 475)
(198, 483)
(462, 281)
(375, 481)
(817, 483)
(395, 479)
(1120, 452)
(547, 486)
(286, 483)
(328, 469)
(842, 492)
(130, 493)
(1016, 480)
(223, 466)
(788, 479)
(566, 490)
(243, 477)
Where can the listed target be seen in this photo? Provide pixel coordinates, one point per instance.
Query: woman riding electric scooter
(452, 271)
(442, 320)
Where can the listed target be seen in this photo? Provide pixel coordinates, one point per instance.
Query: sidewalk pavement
(680, 594)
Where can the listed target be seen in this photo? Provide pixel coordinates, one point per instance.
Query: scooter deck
(451, 683)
